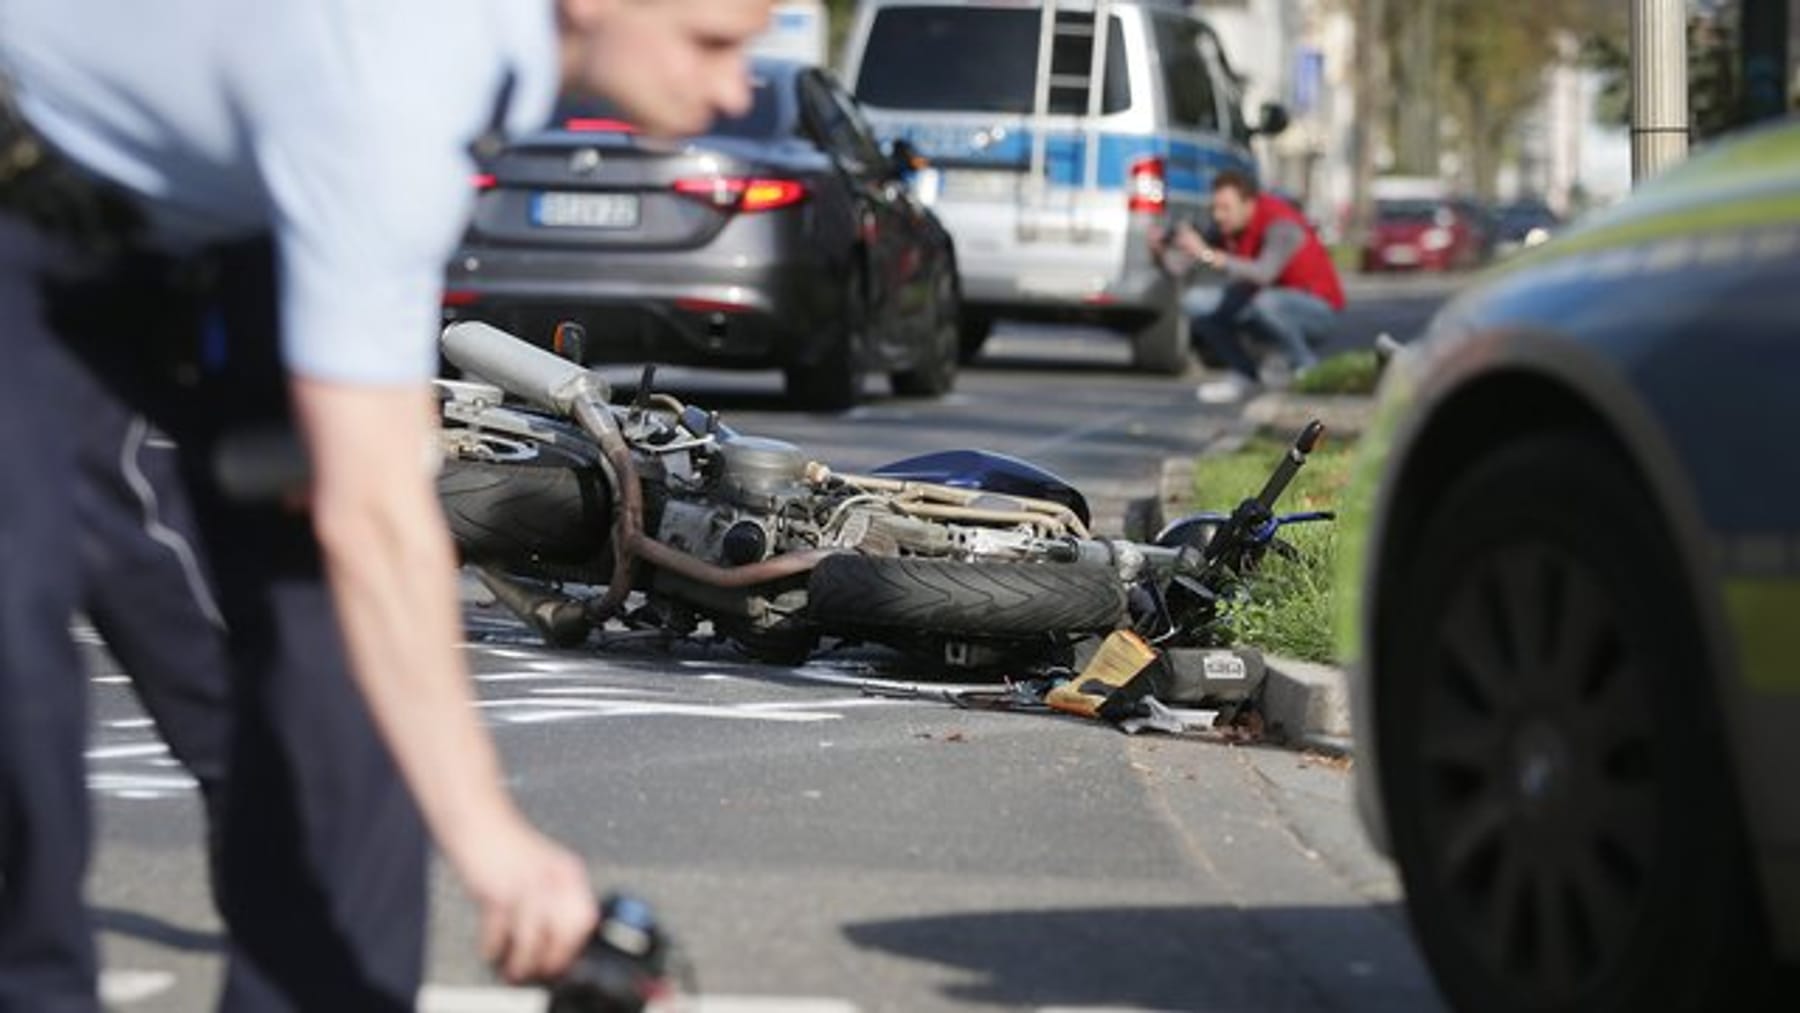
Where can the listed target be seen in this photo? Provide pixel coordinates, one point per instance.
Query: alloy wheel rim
(1540, 770)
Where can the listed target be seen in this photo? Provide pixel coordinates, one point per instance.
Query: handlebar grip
(517, 366)
(1310, 437)
(1290, 464)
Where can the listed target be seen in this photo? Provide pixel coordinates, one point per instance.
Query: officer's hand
(537, 905)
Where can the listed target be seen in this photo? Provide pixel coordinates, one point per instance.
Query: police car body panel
(1667, 324)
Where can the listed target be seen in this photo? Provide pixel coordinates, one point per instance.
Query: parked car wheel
(1555, 781)
(972, 333)
(935, 374)
(834, 382)
(1161, 346)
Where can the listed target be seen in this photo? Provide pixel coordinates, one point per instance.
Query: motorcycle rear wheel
(522, 514)
(985, 600)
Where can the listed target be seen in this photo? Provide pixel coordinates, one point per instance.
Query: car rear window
(764, 119)
(980, 59)
(1409, 212)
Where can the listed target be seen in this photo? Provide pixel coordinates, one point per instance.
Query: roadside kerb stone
(1282, 413)
(1307, 704)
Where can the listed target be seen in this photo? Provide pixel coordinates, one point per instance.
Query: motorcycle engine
(760, 473)
(735, 520)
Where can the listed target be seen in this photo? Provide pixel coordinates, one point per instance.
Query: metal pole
(1659, 86)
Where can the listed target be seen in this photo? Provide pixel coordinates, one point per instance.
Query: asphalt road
(820, 849)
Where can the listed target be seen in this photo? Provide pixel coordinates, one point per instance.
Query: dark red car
(1424, 235)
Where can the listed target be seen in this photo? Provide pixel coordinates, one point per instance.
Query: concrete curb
(1283, 413)
(1307, 704)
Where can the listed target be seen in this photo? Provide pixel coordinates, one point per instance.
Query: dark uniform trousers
(320, 855)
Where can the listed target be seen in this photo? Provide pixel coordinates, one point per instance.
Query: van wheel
(1162, 346)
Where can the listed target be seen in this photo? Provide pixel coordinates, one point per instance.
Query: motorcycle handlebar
(1304, 444)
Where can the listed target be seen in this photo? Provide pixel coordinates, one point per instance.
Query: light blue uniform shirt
(340, 127)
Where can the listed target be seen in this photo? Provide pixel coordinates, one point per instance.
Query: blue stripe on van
(1190, 166)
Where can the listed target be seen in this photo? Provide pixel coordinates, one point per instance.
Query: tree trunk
(1416, 144)
(1370, 101)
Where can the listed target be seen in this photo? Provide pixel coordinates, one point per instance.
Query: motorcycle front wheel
(983, 600)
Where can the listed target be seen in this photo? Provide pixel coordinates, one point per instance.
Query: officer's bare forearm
(391, 569)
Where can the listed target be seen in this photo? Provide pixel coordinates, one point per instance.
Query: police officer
(231, 218)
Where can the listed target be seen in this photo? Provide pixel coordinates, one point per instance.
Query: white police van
(1048, 182)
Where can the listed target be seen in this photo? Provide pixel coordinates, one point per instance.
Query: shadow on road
(1221, 959)
(151, 929)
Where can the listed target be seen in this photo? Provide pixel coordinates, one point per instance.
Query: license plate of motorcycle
(562, 210)
(1225, 668)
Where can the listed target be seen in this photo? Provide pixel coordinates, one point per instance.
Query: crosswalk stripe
(447, 999)
(119, 988)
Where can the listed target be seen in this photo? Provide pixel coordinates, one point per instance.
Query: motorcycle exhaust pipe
(520, 368)
(559, 620)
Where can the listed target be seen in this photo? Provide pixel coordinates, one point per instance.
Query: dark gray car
(785, 238)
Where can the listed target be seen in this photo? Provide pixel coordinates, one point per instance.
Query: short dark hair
(1236, 179)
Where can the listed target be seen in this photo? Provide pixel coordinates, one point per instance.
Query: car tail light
(710, 306)
(1149, 190)
(460, 297)
(735, 194)
(597, 125)
(484, 181)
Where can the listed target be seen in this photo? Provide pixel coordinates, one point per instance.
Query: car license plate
(557, 209)
(979, 184)
(1404, 255)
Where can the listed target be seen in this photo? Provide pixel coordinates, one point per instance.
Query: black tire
(549, 508)
(1003, 600)
(1550, 753)
(972, 332)
(1161, 346)
(834, 382)
(934, 375)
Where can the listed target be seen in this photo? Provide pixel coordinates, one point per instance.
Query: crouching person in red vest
(1280, 284)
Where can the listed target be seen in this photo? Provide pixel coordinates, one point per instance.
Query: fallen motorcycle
(972, 559)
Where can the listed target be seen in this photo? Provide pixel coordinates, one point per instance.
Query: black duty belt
(39, 185)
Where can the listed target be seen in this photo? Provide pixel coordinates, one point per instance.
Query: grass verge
(1355, 372)
(1290, 609)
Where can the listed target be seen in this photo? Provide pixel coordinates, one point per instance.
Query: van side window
(1187, 86)
(981, 59)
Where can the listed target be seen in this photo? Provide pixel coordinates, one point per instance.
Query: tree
(1479, 65)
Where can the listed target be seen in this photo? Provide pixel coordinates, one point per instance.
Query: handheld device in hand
(626, 964)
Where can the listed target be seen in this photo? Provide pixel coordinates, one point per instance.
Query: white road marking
(588, 691)
(448, 999)
(141, 785)
(119, 988)
(130, 723)
(539, 711)
(126, 752)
